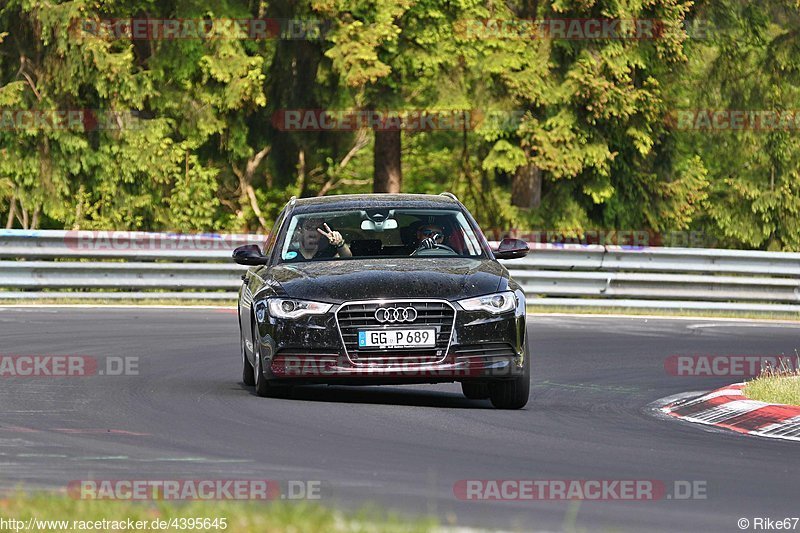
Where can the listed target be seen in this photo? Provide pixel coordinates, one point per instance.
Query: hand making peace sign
(334, 237)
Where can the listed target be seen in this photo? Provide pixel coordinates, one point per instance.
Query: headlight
(497, 303)
(287, 308)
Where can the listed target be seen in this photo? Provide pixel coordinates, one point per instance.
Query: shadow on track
(386, 395)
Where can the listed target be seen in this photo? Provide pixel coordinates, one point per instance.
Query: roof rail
(449, 195)
(292, 201)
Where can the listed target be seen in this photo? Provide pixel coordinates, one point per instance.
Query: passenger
(312, 246)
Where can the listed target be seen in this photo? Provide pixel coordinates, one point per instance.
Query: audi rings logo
(394, 315)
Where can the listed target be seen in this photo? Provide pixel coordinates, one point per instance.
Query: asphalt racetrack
(187, 416)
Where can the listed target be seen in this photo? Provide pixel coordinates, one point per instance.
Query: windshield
(371, 233)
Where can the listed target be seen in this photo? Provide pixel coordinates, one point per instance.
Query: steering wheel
(429, 251)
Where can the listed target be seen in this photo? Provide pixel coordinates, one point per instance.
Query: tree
(395, 56)
(160, 117)
(593, 135)
(747, 72)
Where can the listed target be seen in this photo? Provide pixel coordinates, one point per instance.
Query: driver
(429, 235)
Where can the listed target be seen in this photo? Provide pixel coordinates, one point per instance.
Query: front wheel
(263, 387)
(248, 374)
(513, 393)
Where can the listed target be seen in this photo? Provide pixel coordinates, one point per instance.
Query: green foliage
(752, 63)
(161, 109)
(186, 140)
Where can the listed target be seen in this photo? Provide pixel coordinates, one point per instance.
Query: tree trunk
(387, 173)
(526, 189)
(246, 191)
(12, 211)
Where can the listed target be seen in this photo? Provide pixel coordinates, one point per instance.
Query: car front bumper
(482, 347)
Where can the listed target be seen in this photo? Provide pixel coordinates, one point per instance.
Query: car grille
(353, 317)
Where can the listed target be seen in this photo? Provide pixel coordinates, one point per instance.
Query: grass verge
(775, 389)
(780, 384)
(249, 517)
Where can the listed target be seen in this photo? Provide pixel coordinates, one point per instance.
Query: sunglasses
(427, 231)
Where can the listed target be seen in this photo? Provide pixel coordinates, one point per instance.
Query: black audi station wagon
(383, 289)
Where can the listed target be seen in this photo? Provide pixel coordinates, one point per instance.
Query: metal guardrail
(137, 265)
(129, 245)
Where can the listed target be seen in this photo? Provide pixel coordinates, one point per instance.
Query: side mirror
(511, 249)
(249, 254)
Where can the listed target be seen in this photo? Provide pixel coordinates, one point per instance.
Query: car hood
(363, 279)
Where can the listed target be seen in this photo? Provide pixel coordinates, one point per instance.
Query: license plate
(397, 338)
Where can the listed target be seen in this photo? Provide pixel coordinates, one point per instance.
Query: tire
(263, 387)
(248, 375)
(475, 391)
(513, 393)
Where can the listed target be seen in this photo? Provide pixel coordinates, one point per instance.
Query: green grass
(777, 384)
(781, 386)
(250, 517)
(775, 390)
